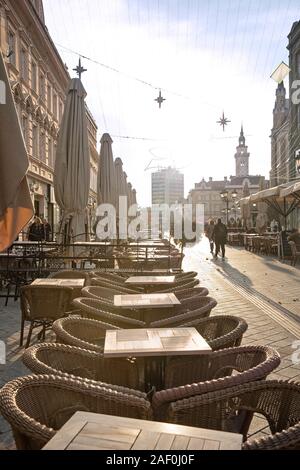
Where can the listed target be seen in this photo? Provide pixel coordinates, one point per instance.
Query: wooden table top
(150, 280)
(154, 342)
(146, 300)
(91, 431)
(59, 282)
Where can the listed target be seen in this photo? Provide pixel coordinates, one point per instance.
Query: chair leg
(29, 335)
(22, 331)
(7, 295)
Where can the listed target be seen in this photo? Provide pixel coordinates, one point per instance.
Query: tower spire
(242, 141)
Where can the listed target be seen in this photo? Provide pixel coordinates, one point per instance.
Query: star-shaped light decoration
(160, 99)
(79, 69)
(223, 121)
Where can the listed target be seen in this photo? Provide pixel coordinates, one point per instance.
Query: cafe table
(93, 431)
(150, 282)
(76, 284)
(154, 345)
(146, 303)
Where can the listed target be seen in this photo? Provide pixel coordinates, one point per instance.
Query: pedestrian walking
(36, 231)
(209, 233)
(220, 237)
(47, 230)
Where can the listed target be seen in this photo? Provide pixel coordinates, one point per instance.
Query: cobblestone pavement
(262, 290)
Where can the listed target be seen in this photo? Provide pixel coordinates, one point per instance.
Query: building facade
(241, 185)
(167, 186)
(294, 119)
(39, 80)
(280, 166)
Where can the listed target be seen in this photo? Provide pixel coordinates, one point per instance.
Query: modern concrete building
(167, 186)
(39, 80)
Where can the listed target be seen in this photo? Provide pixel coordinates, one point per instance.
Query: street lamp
(226, 197)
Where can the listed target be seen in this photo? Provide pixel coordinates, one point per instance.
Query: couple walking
(217, 234)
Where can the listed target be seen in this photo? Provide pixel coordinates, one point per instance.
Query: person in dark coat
(47, 230)
(220, 237)
(36, 230)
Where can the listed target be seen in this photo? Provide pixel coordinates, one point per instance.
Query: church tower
(242, 156)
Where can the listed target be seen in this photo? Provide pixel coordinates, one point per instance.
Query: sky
(207, 56)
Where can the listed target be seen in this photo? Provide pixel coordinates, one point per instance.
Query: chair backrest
(62, 359)
(99, 293)
(39, 405)
(194, 375)
(110, 285)
(277, 401)
(199, 307)
(71, 274)
(220, 331)
(44, 301)
(82, 332)
(93, 308)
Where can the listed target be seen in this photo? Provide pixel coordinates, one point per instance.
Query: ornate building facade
(39, 80)
(241, 185)
(280, 166)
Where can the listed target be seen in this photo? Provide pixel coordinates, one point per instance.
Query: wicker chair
(231, 408)
(189, 376)
(198, 307)
(186, 294)
(38, 406)
(71, 274)
(82, 332)
(295, 253)
(92, 308)
(181, 286)
(100, 293)
(61, 359)
(41, 305)
(96, 281)
(220, 331)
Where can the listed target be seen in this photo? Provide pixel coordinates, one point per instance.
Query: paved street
(262, 290)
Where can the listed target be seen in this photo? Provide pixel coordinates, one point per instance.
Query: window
(42, 86)
(55, 105)
(49, 101)
(33, 76)
(11, 47)
(25, 128)
(50, 153)
(298, 64)
(60, 111)
(43, 147)
(23, 64)
(34, 141)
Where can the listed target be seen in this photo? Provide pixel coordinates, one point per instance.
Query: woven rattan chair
(96, 281)
(198, 307)
(100, 293)
(41, 305)
(72, 274)
(92, 308)
(295, 253)
(181, 285)
(231, 410)
(185, 295)
(189, 376)
(220, 331)
(38, 406)
(61, 359)
(82, 332)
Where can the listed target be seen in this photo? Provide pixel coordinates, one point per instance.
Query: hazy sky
(206, 55)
